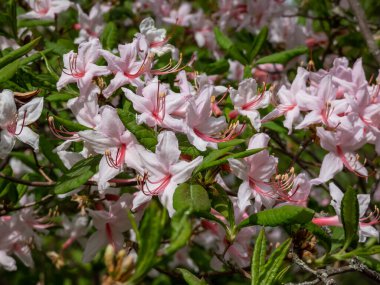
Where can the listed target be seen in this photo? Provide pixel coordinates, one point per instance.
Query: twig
(364, 28)
(41, 170)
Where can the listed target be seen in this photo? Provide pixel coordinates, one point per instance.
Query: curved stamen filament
(229, 134)
(162, 184)
(372, 219)
(120, 156)
(61, 133)
(347, 163)
(256, 101)
(73, 66)
(142, 69)
(12, 128)
(169, 68)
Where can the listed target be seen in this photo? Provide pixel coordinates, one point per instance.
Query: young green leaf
(191, 196)
(273, 265)
(282, 57)
(70, 125)
(223, 41)
(284, 215)
(258, 258)
(350, 217)
(109, 37)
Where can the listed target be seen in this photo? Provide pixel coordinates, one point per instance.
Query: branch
(364, 28)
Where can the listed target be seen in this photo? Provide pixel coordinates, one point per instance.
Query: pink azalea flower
(13, 122)
(180, 17)
(90, 26)
(256, 172)
(289, 100)
(366, 223)
(127, 68)
(164, 171)
(157, 104)
(46, 9)
(73, 230)
(341, 145)
(110, 225)
(80, 67)
(246, 101)
(117, 145)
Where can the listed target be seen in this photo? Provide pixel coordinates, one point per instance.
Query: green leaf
(258, 43)
(321, 235)
(70, 125)
(221, 202)
(7, 171)
(258, 258)
(181, 230)
(207, 163)
(151, 229)
(145, 135)
(26, 159)
(46, 147)
(282, 57)
(350, 217)
(234, 142)
(9, 70)
(109, 37)
(218, 67)
(78, 175)
(273, 126)
(35, 23)
(285, 215)
(13, 55)
(58, 97)
(190, 278)
(12, 11)
(191, 196)
(273, 265)
(223, 41)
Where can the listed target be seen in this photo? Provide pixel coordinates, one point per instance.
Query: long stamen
(256, 100)
(372, 219)
(347, 163)
(59, 133)
(172, 69)
(162, 184)
(229, 134)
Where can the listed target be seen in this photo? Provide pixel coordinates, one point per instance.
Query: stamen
(59, 133)
(229, 134)
(163, 183)
(172, 69)
(372, 219)
(347, 163)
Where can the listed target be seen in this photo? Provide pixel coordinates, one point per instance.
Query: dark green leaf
(70, 125)
(145, 135)
(282, 57)
(285, 215)
(350, 217)
(221, 202)
(35, 23)
(258, 258)
(78, 175)
(234, 142)
(217, 67)
(191, 196)
(46, 147)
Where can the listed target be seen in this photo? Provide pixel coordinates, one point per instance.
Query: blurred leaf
(285, 215)
(47, 149)
(350, 217)
(282, 57)
(258, 43)
(223, 41)
(181, 230)
(190, 278)
(234, 142)
(191, 196)
(70, 125)
(78, 175)
(109, 37)
(221, 202)
(27, 23)
(13, 55)
(151, 229)
(258, 258)
(218, 67)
